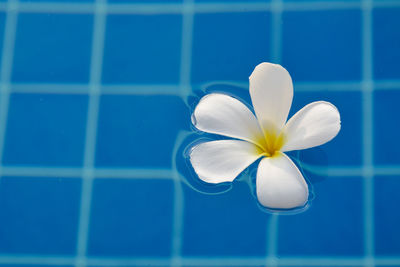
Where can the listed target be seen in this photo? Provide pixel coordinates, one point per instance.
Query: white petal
(313, 125)
(225, 115)
(271, 91)
(280, 184)
(223, 160)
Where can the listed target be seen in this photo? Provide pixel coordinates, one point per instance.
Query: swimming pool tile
(2, 26)
(45, 130)
(319, 1)
(39, 215)
(333, 262)
(346, 147)
(231, 47)
(58, 1)
(316, 43)
(143, 1)
(228, 224)
(387, 219)
(137, 54)
(386, 130)
(30, 265)
(219, 262)
(52, 48)
(386, 43)
(232, 1)
(335, 213)
(131, 218)
(139, 131)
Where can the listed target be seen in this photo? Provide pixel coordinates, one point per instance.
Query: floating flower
(266, 135)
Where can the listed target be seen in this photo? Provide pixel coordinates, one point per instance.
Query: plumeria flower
(266, 135)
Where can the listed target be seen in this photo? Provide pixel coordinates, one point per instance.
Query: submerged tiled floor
(96, 96)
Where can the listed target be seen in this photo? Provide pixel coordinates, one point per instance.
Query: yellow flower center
(271, 142)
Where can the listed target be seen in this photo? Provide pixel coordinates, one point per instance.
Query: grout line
(42, 172)
(176, 89)
(276, 31)
(387, 84)
(231, 7)
(368, 132)
(177, 221)
(138, 173)
(335, 171)
(327, 86)
(272, 241)
(18, 259)
(127, 89)
(6, 69)
(386, 3)
(133, 89)
(161, 174)
(320, 5)
(186, 48)
(40, 88)
(185, 76)
(178, 211)
(276, 39)
(178, 8)
(53, 7)
(91, 131)
(150, 9)
(105, 173)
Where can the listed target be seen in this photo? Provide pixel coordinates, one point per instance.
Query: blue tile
(52, 48)
(131, 218)
(30, 265)
(143, 1)
(228, 224)
(139, 131)
(39, 215)
(232, 1)
(387, 219)
(332, 226)
(386, 33)
(346, 147)
(227, 46)
(142, 49)
(332, 262)
(322, 45)
(45, 130)
(319, 1)
(57, 1)
(386, 130)
(228, 264)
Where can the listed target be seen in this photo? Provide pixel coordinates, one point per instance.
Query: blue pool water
(95, 116)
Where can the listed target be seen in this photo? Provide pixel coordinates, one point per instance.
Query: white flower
(279, 183)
